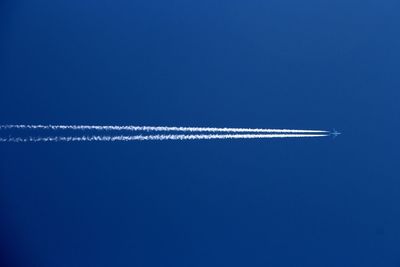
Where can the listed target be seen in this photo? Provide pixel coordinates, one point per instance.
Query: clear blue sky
(274, 64)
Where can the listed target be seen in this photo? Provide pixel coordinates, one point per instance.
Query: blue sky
(272, 64)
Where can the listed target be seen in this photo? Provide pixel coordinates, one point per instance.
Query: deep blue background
(274, 64)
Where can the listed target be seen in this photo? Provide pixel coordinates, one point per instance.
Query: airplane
(335, 133)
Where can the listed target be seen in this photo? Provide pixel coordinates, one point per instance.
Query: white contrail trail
(155, 128)
(127, 138)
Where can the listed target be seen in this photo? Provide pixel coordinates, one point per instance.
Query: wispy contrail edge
(127, 138)
(154, 128)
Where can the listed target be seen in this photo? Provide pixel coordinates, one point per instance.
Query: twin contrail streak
(84, 133)
(127, 138)
(154, 129)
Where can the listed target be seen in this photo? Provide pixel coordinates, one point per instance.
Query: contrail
(154, 128)
(127, 138)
